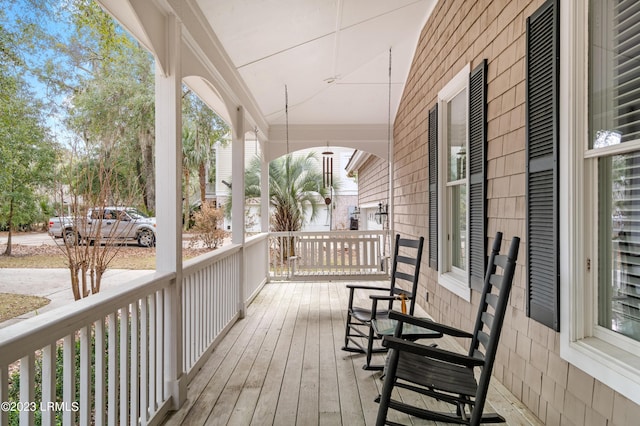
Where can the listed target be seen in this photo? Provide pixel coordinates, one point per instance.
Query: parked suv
(122, 223)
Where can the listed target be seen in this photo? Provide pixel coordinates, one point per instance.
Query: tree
(27, 155)
(206, 129)
(189, 162)
(113, 102)
(96, 77)
(295, 189)
(95, 183)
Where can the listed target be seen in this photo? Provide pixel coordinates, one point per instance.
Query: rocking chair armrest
(386, 297)
(431, 325)
(402, 345)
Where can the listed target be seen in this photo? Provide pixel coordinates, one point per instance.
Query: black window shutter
(543, 65)
(477, 175)
(433, 187)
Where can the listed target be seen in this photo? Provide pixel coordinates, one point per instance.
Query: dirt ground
(41, 251)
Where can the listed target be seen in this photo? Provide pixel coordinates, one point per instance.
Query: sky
(17, 12)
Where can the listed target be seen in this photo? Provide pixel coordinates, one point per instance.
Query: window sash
(451, 276)
(614, 72)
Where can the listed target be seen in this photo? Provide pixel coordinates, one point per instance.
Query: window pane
(458, 197)
(457, 136)
(614, 72)
(619, 244)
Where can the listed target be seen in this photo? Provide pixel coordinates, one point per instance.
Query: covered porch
(283, 364)
(247, 349)
(215, 340)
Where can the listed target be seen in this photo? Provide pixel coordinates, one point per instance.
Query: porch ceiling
(333, 56)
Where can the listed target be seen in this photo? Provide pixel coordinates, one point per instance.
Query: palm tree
(191, 158)
(208, 129)
(295, 189)
(295, 193)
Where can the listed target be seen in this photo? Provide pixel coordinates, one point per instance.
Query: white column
(391, 209)
(237, 195)
(169, 207)
(264, 192)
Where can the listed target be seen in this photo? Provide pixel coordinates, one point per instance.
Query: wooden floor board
(283, 365)
(250, 394)
(270, 394)
(347, 390)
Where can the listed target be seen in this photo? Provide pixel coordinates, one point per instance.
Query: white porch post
(264, 192)
(237, 194)
(391, 201)
(169, 208)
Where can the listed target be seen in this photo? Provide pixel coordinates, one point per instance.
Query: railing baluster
(27, 385)
(198, 314)
(100, 370)
(144, 361)
(153, 349)
(49, 356)
(112, 401)
(134, 399)
(159, 391)
(85, 376)
(4, 393)
(68, 378)
(124, 364)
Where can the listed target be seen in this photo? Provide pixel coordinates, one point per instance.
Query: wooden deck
(283, 365)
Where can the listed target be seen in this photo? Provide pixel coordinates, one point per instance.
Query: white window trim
(598, 357)
(456, 283)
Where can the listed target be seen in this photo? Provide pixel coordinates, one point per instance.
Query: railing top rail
(27, 336)
(255, 239)
(327, 233)
(197, 263)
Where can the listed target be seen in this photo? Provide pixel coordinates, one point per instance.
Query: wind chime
(327, 181)
(327, 169)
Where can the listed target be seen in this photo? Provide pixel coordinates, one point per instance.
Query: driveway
(54, 284)
(27, 238)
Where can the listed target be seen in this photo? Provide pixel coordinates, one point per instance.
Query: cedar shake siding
(528, 362)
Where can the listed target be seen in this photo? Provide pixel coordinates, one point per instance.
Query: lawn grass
(13, 305)
(39, 261)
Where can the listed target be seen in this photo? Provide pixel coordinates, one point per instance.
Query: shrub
(208, 228)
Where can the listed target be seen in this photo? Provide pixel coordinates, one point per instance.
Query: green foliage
(295, 189)
(202, 129)
(27, 154)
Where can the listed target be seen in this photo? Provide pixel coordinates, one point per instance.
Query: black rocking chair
(359, 331)
(449, 376)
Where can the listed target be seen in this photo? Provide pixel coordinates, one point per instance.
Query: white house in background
(344, 199)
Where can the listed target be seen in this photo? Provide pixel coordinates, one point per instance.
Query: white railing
(210, 302)
(335, 254)
(211, 295)
(256, 257)
(112, 358)
(100, 360)
(103, 360)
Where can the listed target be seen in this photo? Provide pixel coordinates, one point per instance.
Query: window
(614, 123)
(600, 169)
(453, 191)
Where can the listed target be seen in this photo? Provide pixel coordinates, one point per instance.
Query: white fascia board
(356, 161)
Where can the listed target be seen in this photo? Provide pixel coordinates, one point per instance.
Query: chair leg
(346, 331)
(370, 352)
(387, 387)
